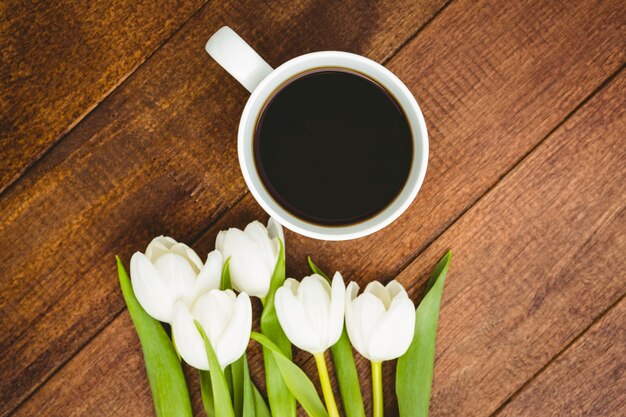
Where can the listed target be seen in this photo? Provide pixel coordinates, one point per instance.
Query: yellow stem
(377, 388)
(327, 389)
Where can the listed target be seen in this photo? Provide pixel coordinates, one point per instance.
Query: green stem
(327, 389)
(377, 388)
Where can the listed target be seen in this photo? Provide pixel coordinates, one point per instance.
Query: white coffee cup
(243, 63)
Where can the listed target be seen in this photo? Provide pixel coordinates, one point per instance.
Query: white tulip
(253, 253)
(311, 311)
(311, 314)
(226, 320)
(380, 321)
(170, 271)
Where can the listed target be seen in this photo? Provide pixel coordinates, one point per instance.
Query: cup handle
(237, 57)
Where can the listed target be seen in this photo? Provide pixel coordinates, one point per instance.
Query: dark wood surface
(526, 182)
(588, 379)
(60, 59)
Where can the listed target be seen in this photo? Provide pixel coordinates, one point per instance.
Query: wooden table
(117, 126)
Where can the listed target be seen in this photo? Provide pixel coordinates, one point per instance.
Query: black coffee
(333, 147)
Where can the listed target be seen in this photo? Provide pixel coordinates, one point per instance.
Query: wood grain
(112, 375)
(535, 261)
(157, 156)
(60, 59)
(549, 98)
(586, 380)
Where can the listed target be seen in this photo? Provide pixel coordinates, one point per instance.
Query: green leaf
(260, 408)
(225, 283)
(281, 401)
(347, 376)
(236, 370)
(221, 395)
(315, 269)
(165, 374)
(228, 376)
(345, 368)
(231, 374)
(295, 379)
(248, 407)
(414, 373)
(207, 393)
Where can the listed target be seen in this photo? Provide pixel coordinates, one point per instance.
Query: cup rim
(370, 68)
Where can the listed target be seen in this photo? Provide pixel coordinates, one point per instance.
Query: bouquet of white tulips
(209, 311)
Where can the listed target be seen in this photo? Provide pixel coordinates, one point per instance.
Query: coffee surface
(333, 147)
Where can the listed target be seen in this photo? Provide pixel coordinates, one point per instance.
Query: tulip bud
(253, 254)
(225, 318)
(170, 271)
(311, 311)
(381, 321)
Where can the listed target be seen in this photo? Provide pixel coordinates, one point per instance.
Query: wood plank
(553, 48)
(586, 380)
(107, 380)
(60, 59)
(137, 166)
(534, 261)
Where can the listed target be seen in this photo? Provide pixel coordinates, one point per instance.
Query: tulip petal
(214, 310)
(368, 309)
(352, 291)
(234, 341)
(159, 246)
(275, 230)
(177, 275)
(250, 270)
(352, 319)
(337, 309)
(219, 240)
(294, 321)
(210, 275)
(380, 292)
(188, 341)
(314, 296)
(189, 254)
(292, 285)
(396, 290)
(393, 332)
(258, 233)
(149, 289)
